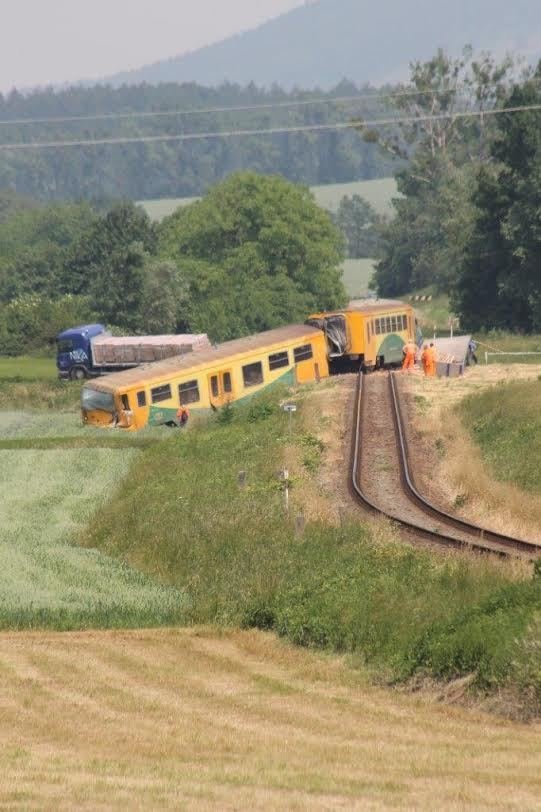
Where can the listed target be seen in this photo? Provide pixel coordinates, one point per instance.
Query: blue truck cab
(74, 351)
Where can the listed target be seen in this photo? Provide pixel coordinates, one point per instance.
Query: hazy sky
(54, 41)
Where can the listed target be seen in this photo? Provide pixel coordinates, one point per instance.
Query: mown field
(193, 719)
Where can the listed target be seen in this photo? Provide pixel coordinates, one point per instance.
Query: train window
(125, 401)
(378, 327)
(160, 393)
(388, 324)
(252, 374)
(303, 353)
(142, 398)
(228, 386)
(279, 359)
(394, 324)
(214, 386)
(188, 392)
(404, 322)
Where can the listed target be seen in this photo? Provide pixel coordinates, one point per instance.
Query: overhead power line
(315, 128)
(19, 122)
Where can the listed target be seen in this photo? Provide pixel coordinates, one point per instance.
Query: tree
(256, 252)
(357, 220)
(109, 263)
(500, 281)
(426, 241)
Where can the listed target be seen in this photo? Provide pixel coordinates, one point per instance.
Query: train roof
(368, 306)
(371, 305)
(162, 370)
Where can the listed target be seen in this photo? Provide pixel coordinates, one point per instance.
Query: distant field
(357, 275)
(379, 194)
(27, 368)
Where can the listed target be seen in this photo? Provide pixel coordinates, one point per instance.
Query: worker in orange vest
(410, 351)
(433, 357)
(426, 359)
(183, 415)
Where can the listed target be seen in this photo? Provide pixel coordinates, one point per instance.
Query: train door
(220, 388)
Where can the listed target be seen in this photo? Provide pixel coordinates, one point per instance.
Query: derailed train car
(205, 379)
(369, 334)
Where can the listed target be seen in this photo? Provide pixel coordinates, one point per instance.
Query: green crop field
(47, 497)
(26, 368)
(379, 194)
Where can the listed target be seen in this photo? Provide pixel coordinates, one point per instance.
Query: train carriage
(370, 334)
(206, 379)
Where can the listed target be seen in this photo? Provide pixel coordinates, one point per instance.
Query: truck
(90, 350)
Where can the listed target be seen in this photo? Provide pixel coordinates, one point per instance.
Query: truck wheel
(77, 374)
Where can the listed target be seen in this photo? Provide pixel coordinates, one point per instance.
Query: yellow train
(205, 379)
(370, 334)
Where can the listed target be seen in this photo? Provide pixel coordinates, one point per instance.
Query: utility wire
(317, 128)
(242, 109)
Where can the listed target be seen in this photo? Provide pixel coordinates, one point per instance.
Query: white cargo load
(111, 351)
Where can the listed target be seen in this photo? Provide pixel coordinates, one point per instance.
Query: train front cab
(368, 337)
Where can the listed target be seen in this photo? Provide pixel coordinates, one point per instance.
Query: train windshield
(93, 400)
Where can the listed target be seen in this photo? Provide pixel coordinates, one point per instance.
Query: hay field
(194, 720)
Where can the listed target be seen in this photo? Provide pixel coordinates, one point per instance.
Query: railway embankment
(475, 445)
(206, 513)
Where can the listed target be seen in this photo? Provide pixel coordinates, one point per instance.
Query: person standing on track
(410, 351)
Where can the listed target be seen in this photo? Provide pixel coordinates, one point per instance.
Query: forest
(469, 219)
(257, 251)
(147, 170)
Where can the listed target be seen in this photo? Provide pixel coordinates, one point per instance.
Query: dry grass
(186, 719)
(322, 495)
(457, 474)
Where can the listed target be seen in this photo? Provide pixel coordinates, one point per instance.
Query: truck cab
(74, 351)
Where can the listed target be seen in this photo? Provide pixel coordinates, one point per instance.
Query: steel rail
(512, 546)
(483, 533)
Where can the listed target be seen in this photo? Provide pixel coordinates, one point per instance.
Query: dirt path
(193, 720)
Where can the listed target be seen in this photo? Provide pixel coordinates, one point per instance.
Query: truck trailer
(89, 350)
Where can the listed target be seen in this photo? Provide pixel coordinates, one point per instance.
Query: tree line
(140, 171)
(468, 222)
(255, 253)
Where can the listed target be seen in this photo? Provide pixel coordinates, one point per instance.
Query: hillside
(322, 42)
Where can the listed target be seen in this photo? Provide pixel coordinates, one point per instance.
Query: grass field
(193, 719)
(357, 275)
(379, 194)
(26, 368)
(182, 517)
(510, 444)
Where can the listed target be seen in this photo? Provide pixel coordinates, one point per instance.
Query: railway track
(383, 482)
